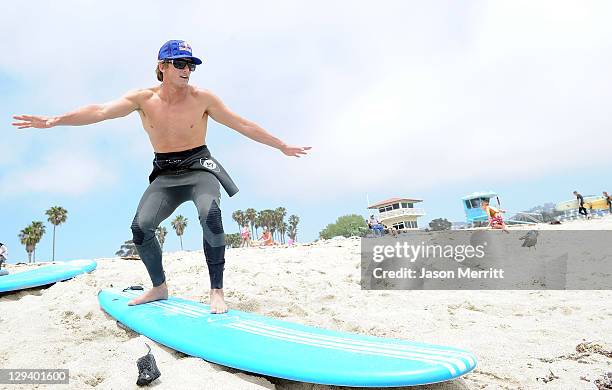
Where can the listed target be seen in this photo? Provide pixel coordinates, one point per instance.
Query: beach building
(399, 213)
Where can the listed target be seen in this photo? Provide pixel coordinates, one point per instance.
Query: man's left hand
(295, 151)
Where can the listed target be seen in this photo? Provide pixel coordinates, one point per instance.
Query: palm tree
(39, 230)
(268, 221)
(257, 225)
(283, 228)
(293, 222)
(238, 216)
(251, 215)
(161, 233)
(279, 215)
(179, 224)
(57, 215)
(26, 237)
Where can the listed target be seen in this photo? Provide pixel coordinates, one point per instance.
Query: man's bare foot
(154, 294)
(217, 301)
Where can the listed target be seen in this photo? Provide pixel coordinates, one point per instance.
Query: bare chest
(174, 126)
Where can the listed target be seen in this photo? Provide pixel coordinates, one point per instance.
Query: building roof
(393, 200)
(476, 195)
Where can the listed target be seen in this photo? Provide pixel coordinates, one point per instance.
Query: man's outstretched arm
(222, 114)
(86, 115)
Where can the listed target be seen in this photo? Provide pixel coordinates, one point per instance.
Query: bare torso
(173, 125)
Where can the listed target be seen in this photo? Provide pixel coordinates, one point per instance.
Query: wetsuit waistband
(199, 158)
(180, 154)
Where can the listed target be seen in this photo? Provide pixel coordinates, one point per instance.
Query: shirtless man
(174, 115)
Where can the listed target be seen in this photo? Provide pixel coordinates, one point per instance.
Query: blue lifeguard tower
(474, 215)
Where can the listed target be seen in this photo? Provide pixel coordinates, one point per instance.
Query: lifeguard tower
(399, 213)
(476, 216)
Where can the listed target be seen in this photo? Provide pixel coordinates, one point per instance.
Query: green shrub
(439, 224)
(346, 226)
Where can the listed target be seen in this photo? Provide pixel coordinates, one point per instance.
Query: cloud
(512, 103)
(63, 172)
(405, 95)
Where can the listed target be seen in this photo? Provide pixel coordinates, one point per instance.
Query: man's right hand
(38, 122)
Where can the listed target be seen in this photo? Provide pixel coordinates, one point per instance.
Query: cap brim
(195, 60)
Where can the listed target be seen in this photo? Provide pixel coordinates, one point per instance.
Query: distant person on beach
(372, 221)
(246, 237)
(391, 230)
(376, 226)
(3, 254)
(370, 226)
(608, 201)
(581, 209)
(266, 238)
(496, 221)
(175, 117)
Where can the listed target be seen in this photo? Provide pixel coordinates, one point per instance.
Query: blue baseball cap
(177, 49)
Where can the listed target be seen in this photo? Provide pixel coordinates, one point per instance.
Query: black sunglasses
(180, 64)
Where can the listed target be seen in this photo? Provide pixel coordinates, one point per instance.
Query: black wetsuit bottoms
(581, 209)
(168, 190)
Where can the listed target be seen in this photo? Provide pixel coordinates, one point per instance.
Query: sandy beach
(522, 339)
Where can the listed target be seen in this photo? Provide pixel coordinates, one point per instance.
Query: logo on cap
(184, 46)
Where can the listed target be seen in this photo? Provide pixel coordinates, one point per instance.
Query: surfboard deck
(45, 274)
(282, 349)
(590, 202)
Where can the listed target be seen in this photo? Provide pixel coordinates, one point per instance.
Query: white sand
(518, 336)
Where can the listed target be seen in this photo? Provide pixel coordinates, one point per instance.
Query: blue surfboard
(45, 274)
(282, 349)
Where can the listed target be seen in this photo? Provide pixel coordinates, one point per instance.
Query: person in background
(496, 221)
(246, 237)
(608, 201)
(376, 226)
(3, 254)
(266, 238)
(391, 229)
(581, 209)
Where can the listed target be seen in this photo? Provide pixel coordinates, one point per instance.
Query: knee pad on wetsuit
(137, 233)
(142, 232)
(212, 226)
